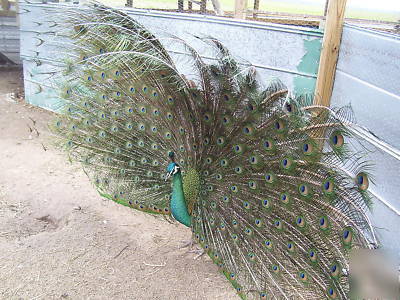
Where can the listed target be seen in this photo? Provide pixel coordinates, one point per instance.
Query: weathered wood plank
(330, 51)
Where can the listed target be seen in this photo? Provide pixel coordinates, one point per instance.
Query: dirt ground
(60, 240)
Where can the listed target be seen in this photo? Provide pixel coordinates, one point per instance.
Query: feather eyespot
(238, 170)
(285, 198)
(248, 231)
(334, 270)
(225, 120)
(290, 246)
(331, 293)
(312, 255)
(275, 268)
(336, 140)
(328, 186)
(170, 100)
(303, 190)
(268, 244)
(278, 224)
(303, 276)
(251, 256)
(238, 149)
(252, 184)
(300, 221)
(308, 148)
(323, 223)
(289, 107)
(269, 178)
(279, 125)
(287, 163)
(347, 236)
(117, 150)
(268, 145)
(258, 222)
(362, 181)
(220, 141)
(224, 162)
(266, 203)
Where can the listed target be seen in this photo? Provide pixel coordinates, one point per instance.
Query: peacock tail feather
(276, 196)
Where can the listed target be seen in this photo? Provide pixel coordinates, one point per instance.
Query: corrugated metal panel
(368, 77)
(9, 38)
(287, 52)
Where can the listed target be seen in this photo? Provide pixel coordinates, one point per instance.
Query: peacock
(268, 182)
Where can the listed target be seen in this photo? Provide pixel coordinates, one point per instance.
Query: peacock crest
(269, 182)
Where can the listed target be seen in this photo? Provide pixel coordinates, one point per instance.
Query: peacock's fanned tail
(278, 199)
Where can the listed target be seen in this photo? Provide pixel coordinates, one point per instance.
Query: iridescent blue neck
(178, 204)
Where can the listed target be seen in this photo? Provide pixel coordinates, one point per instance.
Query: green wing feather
(264, 173)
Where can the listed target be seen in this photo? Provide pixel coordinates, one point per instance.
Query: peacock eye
(176, 169)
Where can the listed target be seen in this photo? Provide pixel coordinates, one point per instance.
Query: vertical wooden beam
(256, 8)
(240, 9)
(180, 5)
(203, 7)
(326, 7)
(190, 6)
(5, 5)
(330, 52)
(217, 7)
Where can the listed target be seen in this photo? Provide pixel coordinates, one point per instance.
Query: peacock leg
(199, 251)
(190, 245)
(187, 244)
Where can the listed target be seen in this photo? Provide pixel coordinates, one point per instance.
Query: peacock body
(258, 175)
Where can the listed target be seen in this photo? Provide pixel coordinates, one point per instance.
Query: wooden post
(326, 7)
(217, 7)
(203, 7)
(256, 8)
(240, 9)
(330, 52)
(180, 5)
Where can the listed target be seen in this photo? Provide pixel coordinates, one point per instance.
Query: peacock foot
(190, 244)
(187, 244)
(199, 251)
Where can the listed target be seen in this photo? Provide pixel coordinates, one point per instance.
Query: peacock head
(172, 169)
